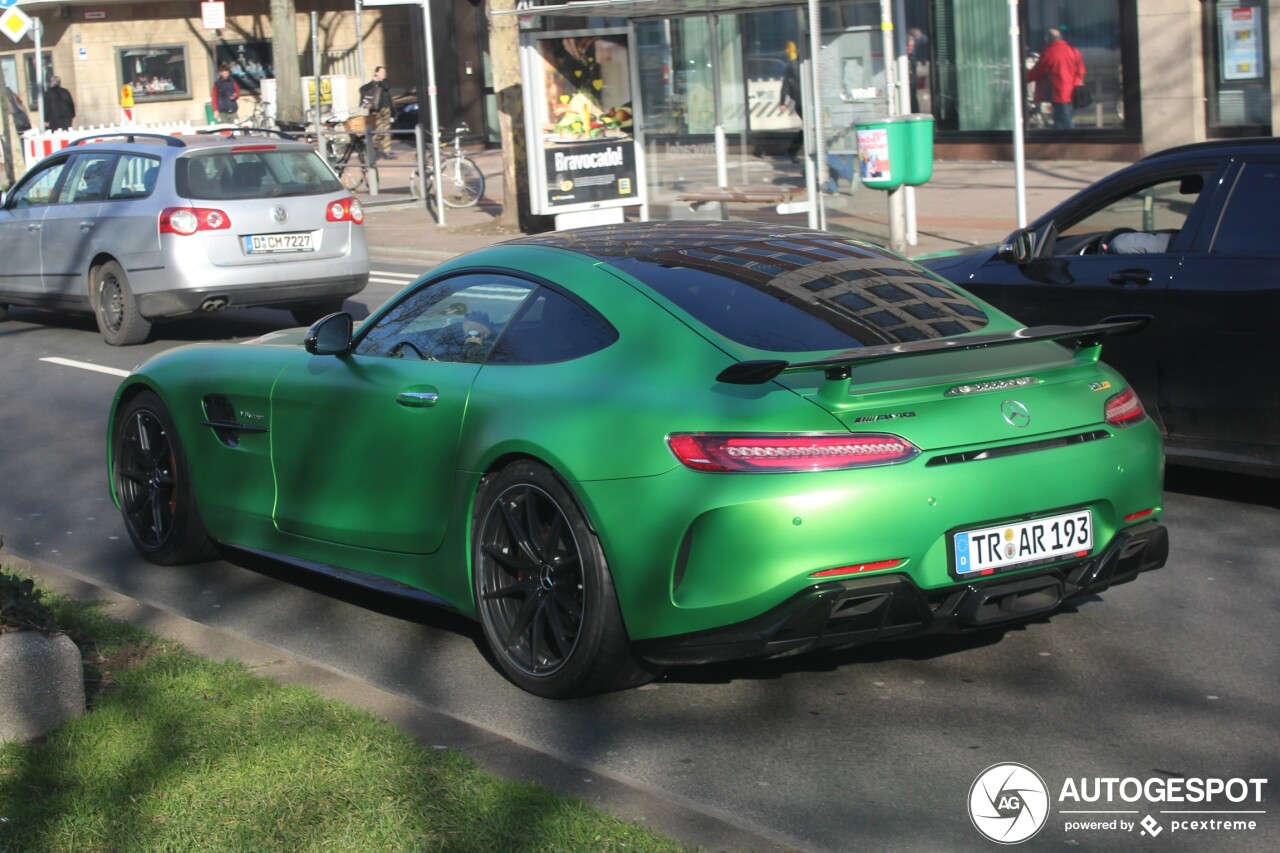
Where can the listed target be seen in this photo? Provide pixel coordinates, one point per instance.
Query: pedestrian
(792, 91)
(1057, 74)
(375, 96)
(226, 95)
(21, 123)
(59, 106)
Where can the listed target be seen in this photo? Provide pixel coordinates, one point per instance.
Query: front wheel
(463, 182)
(115, 308)
(152, 482)
(543, 589)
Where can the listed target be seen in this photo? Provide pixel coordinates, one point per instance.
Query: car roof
(1217, 147)
(669, 238)
(177, 144)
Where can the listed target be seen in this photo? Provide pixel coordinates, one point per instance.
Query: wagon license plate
(264, 244)
(988, 550)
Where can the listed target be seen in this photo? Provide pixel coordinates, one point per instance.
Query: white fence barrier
(37, 145)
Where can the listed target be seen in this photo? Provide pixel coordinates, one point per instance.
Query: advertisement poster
(588, 137)
(1241, 43)
(873, 155)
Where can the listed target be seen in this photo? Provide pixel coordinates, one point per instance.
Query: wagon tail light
(764, 453)
(347, 209)
(1125, 409)
(186, 221)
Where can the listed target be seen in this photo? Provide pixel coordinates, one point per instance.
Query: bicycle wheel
(463, 182)
(354, 176)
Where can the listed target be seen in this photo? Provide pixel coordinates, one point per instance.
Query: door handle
(86, 225)
(33, 226)
(417, 399)
(1130, 277)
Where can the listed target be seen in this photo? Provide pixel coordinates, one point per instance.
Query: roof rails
(171, 141)
(236, 130)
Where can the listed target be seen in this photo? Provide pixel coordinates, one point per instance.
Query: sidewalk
(966, 203)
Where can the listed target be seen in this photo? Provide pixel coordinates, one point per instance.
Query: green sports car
(660, 443)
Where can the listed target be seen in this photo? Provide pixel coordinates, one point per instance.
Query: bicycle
(339, 148)
(463, 183)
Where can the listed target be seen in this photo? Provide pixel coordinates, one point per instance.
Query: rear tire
(152, 481)
(543, 590)
(115, 308)
(4, 310)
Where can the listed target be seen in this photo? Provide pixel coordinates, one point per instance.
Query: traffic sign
(15, 23)
(5, 4)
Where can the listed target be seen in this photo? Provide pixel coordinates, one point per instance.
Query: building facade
(168, 59)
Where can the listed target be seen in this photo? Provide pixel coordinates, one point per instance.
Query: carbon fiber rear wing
(840, 365)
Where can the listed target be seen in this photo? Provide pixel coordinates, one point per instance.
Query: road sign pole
(37, 30)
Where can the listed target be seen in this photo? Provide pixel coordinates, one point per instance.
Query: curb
(686, 821)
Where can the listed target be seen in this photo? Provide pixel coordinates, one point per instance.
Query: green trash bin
(918, 148)
(882, 153)
(208, 112)
(895, 151)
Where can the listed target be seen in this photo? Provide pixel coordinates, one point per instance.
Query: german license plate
(260, 244)
(987, 550)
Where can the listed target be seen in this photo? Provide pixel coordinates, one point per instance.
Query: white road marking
(397, 278)
(84, 365)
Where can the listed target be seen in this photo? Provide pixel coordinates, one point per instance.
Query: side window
(135, 177)
(455, 319)
(89, 178)
(1248, 226)
(551, 327)
(39, 190)
(1154, 213)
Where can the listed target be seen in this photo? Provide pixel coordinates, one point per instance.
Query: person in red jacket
(226, 95)
(1057, 74)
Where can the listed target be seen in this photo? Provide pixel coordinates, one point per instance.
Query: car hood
(958, 265)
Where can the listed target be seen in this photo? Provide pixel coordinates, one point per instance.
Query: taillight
(857, 568)
(347, 209)
(704, 451)
(186, 221)
(1125, 409)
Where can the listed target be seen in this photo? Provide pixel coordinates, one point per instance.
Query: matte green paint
(348, 477)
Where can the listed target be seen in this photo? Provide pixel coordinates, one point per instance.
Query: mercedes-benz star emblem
(1015, 414)
(279, 213)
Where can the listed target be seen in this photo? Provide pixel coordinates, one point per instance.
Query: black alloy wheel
(543, 589)
(151, 479)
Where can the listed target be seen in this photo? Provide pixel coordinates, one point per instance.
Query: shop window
(972, 75)
(249, 61)
(155, 73)
(1237, 68)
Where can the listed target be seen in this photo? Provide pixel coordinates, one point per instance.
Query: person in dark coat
(375, 96)
(59, 106)
(226, 95)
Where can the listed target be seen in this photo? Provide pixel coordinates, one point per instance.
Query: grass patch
(186, 754)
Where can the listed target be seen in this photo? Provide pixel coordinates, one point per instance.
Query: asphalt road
(871, 749)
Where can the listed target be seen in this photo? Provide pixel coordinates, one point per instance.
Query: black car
(1191, 237)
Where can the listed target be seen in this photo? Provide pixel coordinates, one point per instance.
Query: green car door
(364, 445)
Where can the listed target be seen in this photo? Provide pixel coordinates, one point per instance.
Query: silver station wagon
(140, 227)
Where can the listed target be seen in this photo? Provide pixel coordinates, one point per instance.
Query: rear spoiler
(840, 365)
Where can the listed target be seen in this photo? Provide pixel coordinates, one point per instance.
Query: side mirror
(330, 335)
(1019, 248)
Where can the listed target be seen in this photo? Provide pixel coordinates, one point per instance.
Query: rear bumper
(172, 303)
(866, 610)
